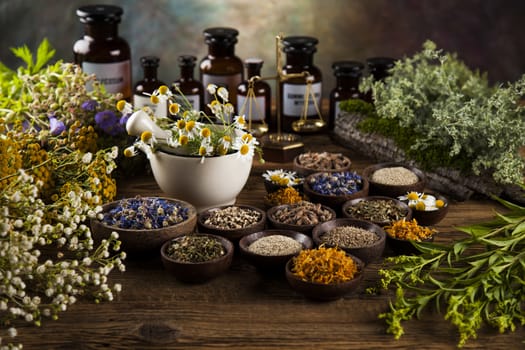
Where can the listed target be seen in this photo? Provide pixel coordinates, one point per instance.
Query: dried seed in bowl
(302, 213)
(195, 249)
(233, 217)
(378, 210)
(349, 237)
(394, 176)
(275, 245)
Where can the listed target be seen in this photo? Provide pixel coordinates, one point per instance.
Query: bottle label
(294, 96)
(116, 77)
(257, 108)
(159, 110)
(230, 82)
(194, 101)
(337, 108)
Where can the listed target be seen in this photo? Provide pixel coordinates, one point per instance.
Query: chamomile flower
(212, 88)
(240, 122)
(422, 201)
(223, 94)
(282, 177)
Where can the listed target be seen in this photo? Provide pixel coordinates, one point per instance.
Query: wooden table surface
(243, 309)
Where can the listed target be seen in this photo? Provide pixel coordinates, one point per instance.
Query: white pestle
(140, 121)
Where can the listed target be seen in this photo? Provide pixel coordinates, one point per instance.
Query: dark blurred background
(486, 34)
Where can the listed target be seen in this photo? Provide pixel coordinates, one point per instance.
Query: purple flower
(124, 119)
(109, 122)
(56, 127)
(89, 105)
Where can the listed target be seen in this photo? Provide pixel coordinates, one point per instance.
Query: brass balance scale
(279, 146)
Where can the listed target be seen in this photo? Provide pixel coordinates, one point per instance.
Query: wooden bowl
(201, 271)
(302, 169)
(432, 217)
(404, 246)
(303, 228)
(137, 242)
(333, 201)
(233, 234)
(368, 253)
(379, 189)
(321, 291)
(403, 207)
(271, 262)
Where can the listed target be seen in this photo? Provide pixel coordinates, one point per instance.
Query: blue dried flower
(56, 127)
(338, 183)
(90, 105)
(109, 122)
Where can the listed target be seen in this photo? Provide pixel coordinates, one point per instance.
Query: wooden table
(243, 309)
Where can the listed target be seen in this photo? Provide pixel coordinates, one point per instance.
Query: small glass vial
(192, 89)
(254, 98)
(221, 67)
(299, 52)
(348, 76)
(101, 51)
(148, 84)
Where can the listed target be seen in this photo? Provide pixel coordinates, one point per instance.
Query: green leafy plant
(442, 114)
(476, 280)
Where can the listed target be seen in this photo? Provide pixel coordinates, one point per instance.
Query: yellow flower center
(420, 206)
(247, 138)
(205, 132)
(222, 150)
(163, 89)
(154, 99)
(128, 152)
(181, 124)
(120, 105)
(202, 151)
(190, 125)
(244, 149)
(227, 138)
(412, 196)
(174, 108)
(146, 136)
(241, 120)
(183, 140)
(440, 203)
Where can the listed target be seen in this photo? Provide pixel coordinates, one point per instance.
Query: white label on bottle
(258, 107)
(116, 77)
(194, 101)
(160, 109)
(230, 82)
(294, 96)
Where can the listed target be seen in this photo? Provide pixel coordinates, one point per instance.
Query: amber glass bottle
(221, 67)
(260, 104)
(148, 84)
(379, 68)
(348, 75)
(192, 89)
(101, 51)
(299, 52)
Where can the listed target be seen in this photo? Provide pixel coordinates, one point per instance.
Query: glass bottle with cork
(101, 51)
(221, 66)
(192, 89)
(348, 76)
(295, 92)
(148, 84)
(254, 97)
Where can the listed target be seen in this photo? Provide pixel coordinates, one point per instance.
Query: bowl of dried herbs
(380, 210)
(144, 223)
(232, 221)
(392, 179)
(302, 216)
(401, 234)
(324, 273)
(196, 257)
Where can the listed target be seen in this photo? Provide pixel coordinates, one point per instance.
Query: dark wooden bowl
(201, 271)
(366, 253)
(271, 262)
(404, 246)
(378, 189)
(333, 201)
(138, 242)
(303, 170)
(347, 205)
(306, 229)
(433, 217)
(231, 234)
(324, 292)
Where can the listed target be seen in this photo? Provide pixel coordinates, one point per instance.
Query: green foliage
(445, 114)
(475, 280)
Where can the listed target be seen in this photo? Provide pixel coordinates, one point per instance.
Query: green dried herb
(195, 249)
(475, 280)
(441, 113)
